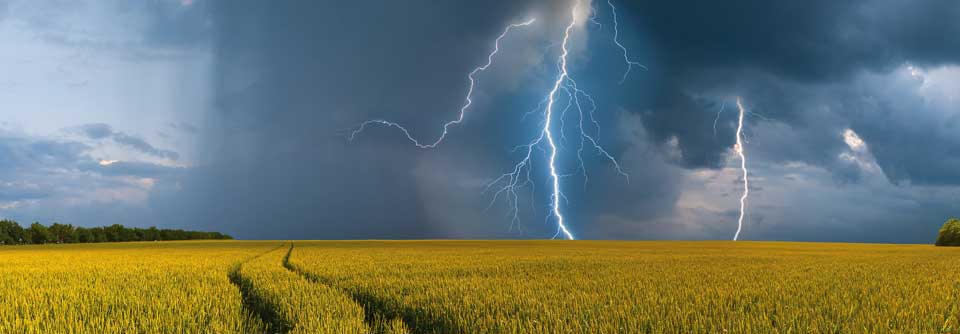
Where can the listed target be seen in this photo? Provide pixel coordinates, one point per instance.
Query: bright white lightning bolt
(548, 118)
(520, 175)
(463, 109)
(743, 166)
(616, 40)
(547, 140)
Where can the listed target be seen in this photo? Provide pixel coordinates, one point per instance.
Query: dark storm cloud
(613, 208)
(291, 77)
(812, 40)
(789, 61)
(101, 131)
(911, 135)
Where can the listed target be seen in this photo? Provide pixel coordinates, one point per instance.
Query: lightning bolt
(468, 101)
(565, 93)
(743, 166)
(519, 176)
(548, 118)
(593, 17)
(723, 105)
(616, 40)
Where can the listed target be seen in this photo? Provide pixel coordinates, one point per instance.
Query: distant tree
(82, 234)
(139, 234)
(10, 232)
(15, 231)
(114, 233)
(27, 237)
(949, 233)
(61, 233)
(151, 234)
(99, 234)
(39, 234)
(74, 235)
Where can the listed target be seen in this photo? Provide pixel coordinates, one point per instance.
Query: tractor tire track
(253, 303)
(377, 309)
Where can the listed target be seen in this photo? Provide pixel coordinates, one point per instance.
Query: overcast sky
(233, 116)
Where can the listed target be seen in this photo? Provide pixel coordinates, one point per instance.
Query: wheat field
(479, 287)
(148, 287)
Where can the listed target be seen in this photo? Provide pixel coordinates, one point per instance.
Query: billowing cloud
(811, 75)
(787, 61)
(48, 179)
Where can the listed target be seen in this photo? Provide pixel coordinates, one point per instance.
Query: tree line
(11, 233)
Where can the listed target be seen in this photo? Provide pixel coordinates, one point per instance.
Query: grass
(479, 287)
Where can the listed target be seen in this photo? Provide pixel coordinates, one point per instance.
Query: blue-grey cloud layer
(289, 78)
(313, 73)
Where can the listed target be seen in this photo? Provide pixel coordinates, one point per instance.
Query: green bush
(949, 233)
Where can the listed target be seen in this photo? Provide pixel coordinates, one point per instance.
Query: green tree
(17, 233)
(151, 234)
(13, 233)
(61, 233)
(99, 234)
(39, 234)
(949, 233)
(82, 234)
(10, 232)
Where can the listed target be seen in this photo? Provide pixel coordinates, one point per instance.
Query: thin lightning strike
(743, 166)
(593, 17)
(463, 109)
(723, 105)
(616, 40)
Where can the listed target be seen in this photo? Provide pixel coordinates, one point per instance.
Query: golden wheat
(481, 287)
(295, 305)
(149, 287)
(646, 287)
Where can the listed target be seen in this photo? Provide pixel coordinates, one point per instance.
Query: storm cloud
(787, 60)
(294, 77)
(851, 131)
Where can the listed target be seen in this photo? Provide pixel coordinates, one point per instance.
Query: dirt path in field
(376, 314)
(268, 317)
